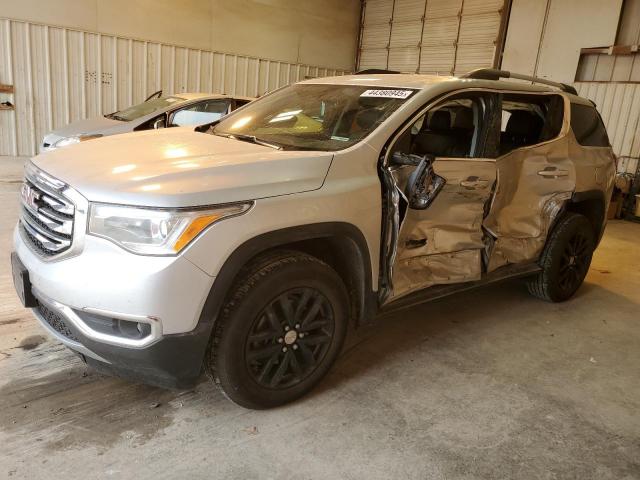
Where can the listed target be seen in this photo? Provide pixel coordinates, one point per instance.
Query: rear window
(588, 127)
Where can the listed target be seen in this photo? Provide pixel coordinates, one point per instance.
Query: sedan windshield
(314, 117)
(145, 108)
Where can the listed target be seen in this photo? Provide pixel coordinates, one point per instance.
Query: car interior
(451, 129)
(529, 120)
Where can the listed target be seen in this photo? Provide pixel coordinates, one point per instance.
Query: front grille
(55, 320)
(46, 216)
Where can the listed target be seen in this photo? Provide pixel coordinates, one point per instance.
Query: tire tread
(248, 277)
(540, 286)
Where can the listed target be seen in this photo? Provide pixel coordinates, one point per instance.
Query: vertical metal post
(30, 92)
(47, 53)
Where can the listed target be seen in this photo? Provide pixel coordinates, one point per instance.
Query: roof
(421, 81)
(200, 95)
(403, 80)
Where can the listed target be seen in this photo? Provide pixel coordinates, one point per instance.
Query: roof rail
(375, 71)
(495, 74)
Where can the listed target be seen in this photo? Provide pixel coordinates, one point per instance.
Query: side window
(240, 102)
(587, 126)
(200, 113)
(460, 127)
(529, 119)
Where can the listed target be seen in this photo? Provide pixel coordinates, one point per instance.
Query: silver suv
(245, 247)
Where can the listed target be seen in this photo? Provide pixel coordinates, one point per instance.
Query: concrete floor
(487, 384)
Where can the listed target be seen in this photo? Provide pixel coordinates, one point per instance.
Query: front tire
(565, 260)
(280, 331)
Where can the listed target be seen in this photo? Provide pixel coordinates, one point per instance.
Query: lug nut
(286, 329)
(295, 347)
(284, 349)
(301, 335)
(297, 325)
(280, 340)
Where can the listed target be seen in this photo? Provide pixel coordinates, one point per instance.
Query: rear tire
(565, 260)
(280, 331)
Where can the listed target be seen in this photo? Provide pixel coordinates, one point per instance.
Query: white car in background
(183, 109)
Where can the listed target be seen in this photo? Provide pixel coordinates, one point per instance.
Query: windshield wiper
(116, 117)
(249, 138)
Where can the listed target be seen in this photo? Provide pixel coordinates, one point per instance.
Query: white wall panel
(544, 37)
(619, 105)
(308, 32)
(62, 75)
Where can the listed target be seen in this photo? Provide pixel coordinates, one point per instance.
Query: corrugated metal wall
(619, 105)
(429, 36)
(61, 75)
(611, 78)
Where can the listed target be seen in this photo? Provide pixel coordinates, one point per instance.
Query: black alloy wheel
(280, 330)
(574, 262)
(565, 259)
(289, 338)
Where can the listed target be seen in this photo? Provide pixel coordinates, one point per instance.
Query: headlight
(65, 142)
(155, 231)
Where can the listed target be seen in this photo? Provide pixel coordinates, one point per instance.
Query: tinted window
(200, 113)
(588, 127)
(240, 102)
(529, 119)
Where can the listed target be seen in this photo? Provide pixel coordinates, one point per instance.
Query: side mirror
(160, 123)
(405, 159)
(423, 185)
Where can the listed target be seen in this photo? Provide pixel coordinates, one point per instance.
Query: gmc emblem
(29, 197)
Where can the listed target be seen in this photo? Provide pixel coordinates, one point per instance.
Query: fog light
(133, 329)
(144, 329)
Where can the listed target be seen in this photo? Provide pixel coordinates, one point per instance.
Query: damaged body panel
(510, 165)
(443, 243)
(533, 183)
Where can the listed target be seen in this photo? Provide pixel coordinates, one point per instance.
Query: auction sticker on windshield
(387, 93)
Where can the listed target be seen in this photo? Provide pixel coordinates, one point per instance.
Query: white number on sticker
(387, 93)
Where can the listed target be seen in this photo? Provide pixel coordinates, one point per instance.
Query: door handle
(415, 243)
(553, 172)
(474, 182)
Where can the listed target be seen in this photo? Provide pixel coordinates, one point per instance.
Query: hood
(178, 167)
(89, 126)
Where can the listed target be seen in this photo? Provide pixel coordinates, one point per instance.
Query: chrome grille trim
(57, 224)
(56, 206)
(47, 215)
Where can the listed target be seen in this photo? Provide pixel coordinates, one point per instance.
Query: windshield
(144, 108)
(314, 117)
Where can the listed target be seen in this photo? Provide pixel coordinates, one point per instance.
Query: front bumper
(174, 361)
(107, 280)
(106, 284)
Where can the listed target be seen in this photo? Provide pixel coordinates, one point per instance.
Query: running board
(439, 291)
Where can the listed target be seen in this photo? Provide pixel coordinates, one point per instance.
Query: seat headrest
(522, 122)
(440, 120)
(463, 119)
(366, 119)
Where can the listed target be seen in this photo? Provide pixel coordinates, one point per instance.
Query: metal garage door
(430, 36)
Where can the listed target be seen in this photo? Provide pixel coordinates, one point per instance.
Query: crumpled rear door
(533, 183)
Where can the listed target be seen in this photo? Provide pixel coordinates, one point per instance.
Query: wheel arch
(341, 245)
(591, 204)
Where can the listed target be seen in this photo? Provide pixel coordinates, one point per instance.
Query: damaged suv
(245, 247)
